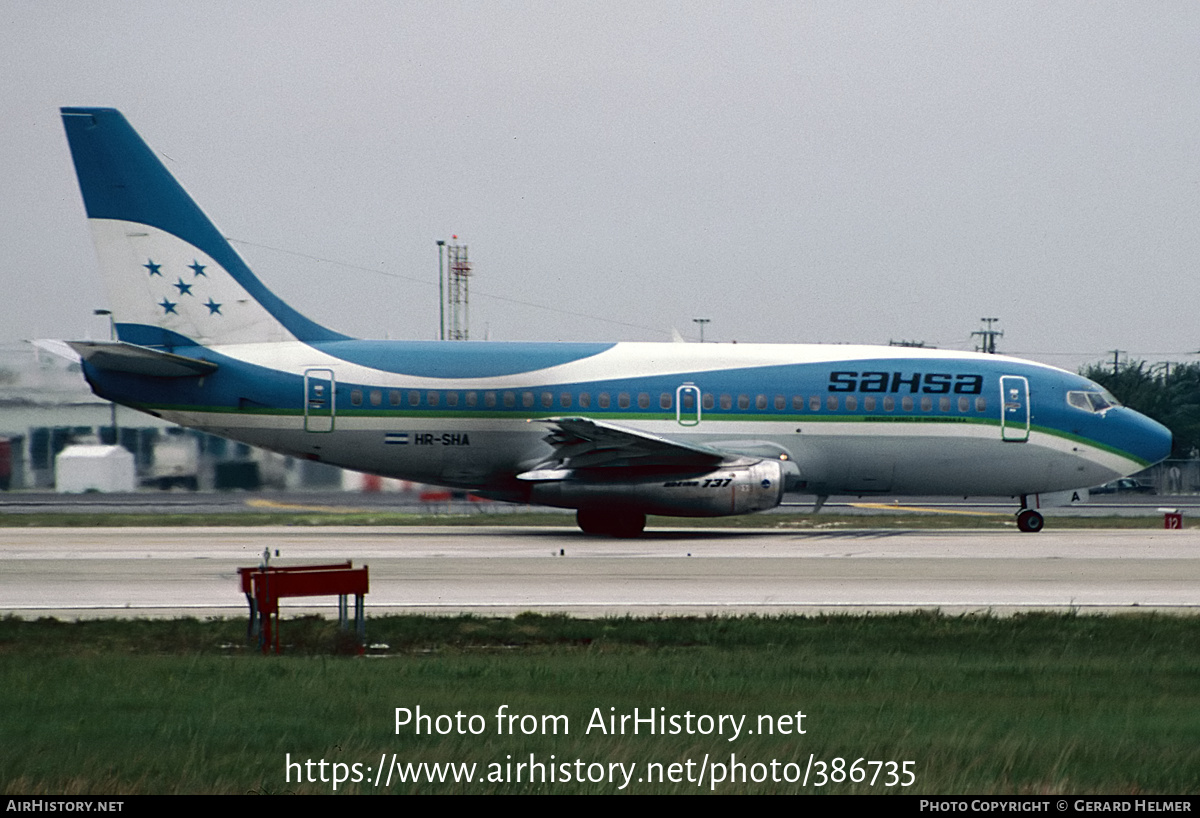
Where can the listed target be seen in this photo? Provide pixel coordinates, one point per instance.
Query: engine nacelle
(736, 489)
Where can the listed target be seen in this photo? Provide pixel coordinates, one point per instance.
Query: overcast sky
(795, 172)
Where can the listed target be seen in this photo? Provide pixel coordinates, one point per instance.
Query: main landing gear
(1028, 519)
(611, 522)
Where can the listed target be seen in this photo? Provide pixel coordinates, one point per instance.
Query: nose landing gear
(1028, 519)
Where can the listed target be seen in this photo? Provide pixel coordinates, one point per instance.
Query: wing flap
(583, 443)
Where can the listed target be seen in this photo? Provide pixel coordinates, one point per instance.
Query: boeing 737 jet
(614, 430)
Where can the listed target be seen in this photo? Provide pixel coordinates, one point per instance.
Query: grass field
(1027, 704)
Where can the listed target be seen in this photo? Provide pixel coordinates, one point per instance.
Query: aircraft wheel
(627, 524)
(592, 520)
(611, 522)
(1030, 520)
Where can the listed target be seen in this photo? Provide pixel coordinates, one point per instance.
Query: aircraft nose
(1151, 441)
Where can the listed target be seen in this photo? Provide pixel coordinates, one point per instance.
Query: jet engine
(737, 488)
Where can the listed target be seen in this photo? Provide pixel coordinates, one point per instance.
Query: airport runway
(76, 573)
(301, 502)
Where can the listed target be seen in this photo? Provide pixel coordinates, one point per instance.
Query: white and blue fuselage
(852, 419)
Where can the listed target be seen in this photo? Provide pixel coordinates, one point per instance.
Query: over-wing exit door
(687, 405)
(319, 409)
(1014, 408)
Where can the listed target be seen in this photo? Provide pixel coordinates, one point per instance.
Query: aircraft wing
(582, 443)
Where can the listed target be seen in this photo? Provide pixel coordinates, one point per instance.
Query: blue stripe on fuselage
(459, 359)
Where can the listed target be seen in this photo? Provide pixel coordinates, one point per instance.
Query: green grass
(1034, 703)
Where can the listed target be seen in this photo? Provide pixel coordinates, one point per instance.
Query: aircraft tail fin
(172, 278)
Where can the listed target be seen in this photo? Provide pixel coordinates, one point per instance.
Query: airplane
(615, 431)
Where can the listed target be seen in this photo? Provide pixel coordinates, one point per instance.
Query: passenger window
(760, 402)
(964, 404)
(585, 400)
(471, 399)
(798, 403)
(906, 403)
(943, 404)
(510, 399)
(623, 401)
(452, 399)
(889, 403)
(489, 399)
(356, 397)
(831, 403)
(851, 403)
(564, 400)
(431, 398)
(547, 400)
(869, 403)
(689, 401)
(604, 400)
(814, 404)
(527, 399)
(780, 403)
(743, 402)
(726, 402)
(643, 400)
(414, 398)
(376, 397)
(926, 404)
(664, 401)
(981, 404)
(708, 400)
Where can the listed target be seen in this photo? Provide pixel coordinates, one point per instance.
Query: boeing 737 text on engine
(616, 431)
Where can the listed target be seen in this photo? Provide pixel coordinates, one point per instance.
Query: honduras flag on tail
(172, 279)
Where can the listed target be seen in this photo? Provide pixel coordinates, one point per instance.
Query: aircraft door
(687, 404)
(319, 409)
(1014, 408)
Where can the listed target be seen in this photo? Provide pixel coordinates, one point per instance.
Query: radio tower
(459, 295)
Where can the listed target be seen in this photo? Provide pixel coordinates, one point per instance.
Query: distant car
(1126, 485)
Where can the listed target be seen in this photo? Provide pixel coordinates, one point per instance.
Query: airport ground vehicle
(1125, 485)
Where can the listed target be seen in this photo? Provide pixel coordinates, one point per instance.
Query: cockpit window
(1096, 402)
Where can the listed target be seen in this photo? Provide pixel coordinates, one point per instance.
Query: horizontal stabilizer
(119, 356)
(56, 347)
